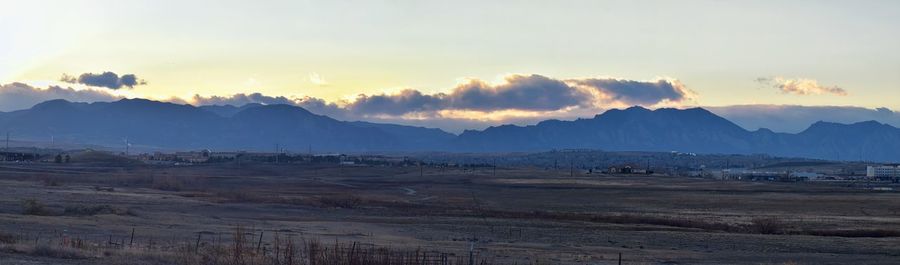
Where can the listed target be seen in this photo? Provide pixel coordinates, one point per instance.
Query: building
(754, 175)
(883, 171)
(225, 155)
(806, 175)
(193, 157)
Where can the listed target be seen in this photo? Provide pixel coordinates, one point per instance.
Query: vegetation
(242, 249)
(34, 207)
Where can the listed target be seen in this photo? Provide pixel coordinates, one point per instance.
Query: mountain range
(265, 127)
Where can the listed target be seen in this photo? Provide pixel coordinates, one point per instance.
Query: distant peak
(869, 123)
(864, 125)
(636, 108)
(52, 103)
(697, 109)
(277, 108)
(764, 130)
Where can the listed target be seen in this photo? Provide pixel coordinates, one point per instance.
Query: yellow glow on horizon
(500, 115)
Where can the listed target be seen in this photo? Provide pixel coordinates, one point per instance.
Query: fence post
(197, 245)
(259, 244)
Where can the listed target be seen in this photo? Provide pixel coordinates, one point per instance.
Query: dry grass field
(126, 213)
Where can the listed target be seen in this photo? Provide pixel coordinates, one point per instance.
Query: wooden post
(131, 242)
(259, 244)
(472, 253)
(620, 258)
(197, 245)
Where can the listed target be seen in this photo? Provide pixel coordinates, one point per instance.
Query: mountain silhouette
(262, 127)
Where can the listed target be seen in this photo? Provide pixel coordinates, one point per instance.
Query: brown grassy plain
(85, 213)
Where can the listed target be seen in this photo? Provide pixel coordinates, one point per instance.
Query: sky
(454, 64)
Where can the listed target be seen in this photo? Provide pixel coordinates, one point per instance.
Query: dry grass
(242, 249)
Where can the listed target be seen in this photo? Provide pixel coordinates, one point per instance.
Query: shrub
(82, 210)
(767, 225)
(348, 202)
(55, 252)
(51, 182)
(855, 233)
(8, 238)
(167, 183)
(34, 207)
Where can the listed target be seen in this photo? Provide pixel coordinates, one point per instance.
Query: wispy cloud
(801, 86)
(317, 79)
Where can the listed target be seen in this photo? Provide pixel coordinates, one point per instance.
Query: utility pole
(571, 168)
(495, 167)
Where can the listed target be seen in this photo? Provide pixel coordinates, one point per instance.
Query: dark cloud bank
(106, 79)
(527, 93)
(16, 96)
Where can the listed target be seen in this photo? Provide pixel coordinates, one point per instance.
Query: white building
(882, 171)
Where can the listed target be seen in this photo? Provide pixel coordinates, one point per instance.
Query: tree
(58, 158)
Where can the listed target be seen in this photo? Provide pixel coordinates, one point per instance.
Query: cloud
(315, 105)
(526, 93)
(637, 92)
(407, 100)
(106, 79)
(801, 86)
(519, 92)
(318, 80)
(239, 100)
(16, 96)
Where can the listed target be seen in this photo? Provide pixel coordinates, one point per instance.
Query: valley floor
(138, 214)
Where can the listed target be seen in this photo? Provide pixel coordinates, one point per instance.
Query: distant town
(572, 162)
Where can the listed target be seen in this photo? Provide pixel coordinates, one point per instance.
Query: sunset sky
(466, 60)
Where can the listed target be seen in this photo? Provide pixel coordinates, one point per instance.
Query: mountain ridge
(262, 127)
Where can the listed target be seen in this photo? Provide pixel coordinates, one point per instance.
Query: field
(127, 213)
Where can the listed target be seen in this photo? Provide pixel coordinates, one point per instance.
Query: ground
(508, 215)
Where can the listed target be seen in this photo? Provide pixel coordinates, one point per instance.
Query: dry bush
(246, 197)
(767, 225)
(341, 201)
(8, 238)
(167, 183)
(854, 233)
(34, 207)
(51, 182)
(88, 210)
(606, 218)
(55, 252)
(667, 221)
